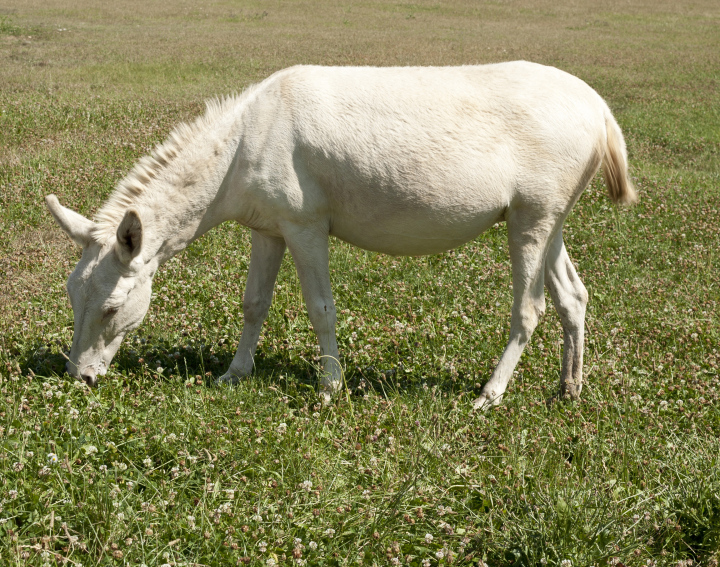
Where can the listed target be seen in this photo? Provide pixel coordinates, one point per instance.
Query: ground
(158, 467)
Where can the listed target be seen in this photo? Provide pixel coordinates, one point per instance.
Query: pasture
(158, 467)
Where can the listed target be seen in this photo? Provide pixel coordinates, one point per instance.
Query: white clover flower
(271, 562)
(263, 546)
(312, 545)
(13, 494)
(306, 485)
(440, 554)
(90, 449)
(329, 532)
(282, 428)
(147, 462)
(428, 538)
(566, 563)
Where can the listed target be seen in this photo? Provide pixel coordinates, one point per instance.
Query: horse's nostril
(90, 379)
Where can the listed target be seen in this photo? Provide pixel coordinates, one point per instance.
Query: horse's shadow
(170, 360)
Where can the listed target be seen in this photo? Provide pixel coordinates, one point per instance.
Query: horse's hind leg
(265, 259)
(528, 238)
(570, 298)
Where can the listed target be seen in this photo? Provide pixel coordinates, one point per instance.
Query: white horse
(404, 161)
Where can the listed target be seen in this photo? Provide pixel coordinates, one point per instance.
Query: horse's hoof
(483, 403)
(228, 379)
(328, 392)
(562, 396)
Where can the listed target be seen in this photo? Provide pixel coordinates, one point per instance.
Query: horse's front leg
(309, 249)
(265, 259)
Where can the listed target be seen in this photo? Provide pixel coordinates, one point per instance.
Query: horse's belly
(402, 234)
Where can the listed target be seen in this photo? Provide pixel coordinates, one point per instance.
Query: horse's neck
(184, 212)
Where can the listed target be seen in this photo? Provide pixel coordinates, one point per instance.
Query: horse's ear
(129, 236)
(74, 224)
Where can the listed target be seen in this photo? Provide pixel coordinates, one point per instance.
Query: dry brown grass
(221, 45)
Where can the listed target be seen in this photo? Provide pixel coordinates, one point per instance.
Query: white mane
(136, 183)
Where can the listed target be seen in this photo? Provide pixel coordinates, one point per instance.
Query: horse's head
(109, 289)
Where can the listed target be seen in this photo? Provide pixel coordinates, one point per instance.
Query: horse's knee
(571, 304)
(322, 314)
(526, 319)
(255, 309)
(580, 293)
(577, 305)
(539, 305)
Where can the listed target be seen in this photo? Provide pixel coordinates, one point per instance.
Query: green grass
(157, 466)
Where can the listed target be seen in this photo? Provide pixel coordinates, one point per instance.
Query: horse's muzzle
(90, 379)
(87, 375)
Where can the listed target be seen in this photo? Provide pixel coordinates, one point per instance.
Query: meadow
(159, 467)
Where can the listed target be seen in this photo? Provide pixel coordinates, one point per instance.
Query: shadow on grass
(288, 373)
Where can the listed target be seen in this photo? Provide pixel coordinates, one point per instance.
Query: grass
(158, 467)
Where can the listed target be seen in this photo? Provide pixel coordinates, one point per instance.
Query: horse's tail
(615, 165)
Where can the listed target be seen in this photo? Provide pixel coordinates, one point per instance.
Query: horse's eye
(109, 312)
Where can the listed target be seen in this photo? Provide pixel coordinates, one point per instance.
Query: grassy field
(156, 467)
